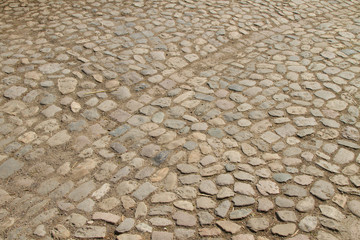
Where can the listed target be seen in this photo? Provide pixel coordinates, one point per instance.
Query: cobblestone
(179, 120)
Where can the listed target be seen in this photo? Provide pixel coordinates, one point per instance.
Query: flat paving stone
(9, 167)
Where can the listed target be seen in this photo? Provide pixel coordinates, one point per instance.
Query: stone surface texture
(207, 119)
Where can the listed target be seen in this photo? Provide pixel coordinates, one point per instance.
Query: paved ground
(179, 119)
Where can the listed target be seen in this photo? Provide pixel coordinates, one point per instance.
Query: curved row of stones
(234, 120)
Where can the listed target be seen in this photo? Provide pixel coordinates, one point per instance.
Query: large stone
(82, 191)
(308, 223)
(208, 187)
(131, 78)
(157, 235)
(126, 225)
(337, 105)
(184, 219)
(284, 229)
(107, 217)
(107, 105)
(87, 205)
(50, 68)
(344, 156)
(59, 138)
(163, 197)
(293, 190)
(267, 187)
(322, 189)
(258, 224)
(60, 232)
(325, 236)
(9, 167)
(144, 191)
(240, 214)
(229, 226)
(306, 205)
(286, 216)
(14, 92)
(331, 212)
(126, 236)
(13, 107)
(244, 188)
(91, 232)
(122, 93)
(150, 150)
(354, 207)
(67, 85)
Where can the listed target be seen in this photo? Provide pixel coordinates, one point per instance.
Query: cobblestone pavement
(180, 119)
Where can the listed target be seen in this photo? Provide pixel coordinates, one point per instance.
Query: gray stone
(205, 218)
(351, 133)
(144, 191)
(348, 144)
(174, 124)
(325, 236)
(331, 212)
(87, 205)
(143, 227)
(122, 93)
(284, 202)
(224, 179)
(223, 208)
(9, 167)
(82, 191)
(157, 235)
(161, 157)
(354, 207)
(118, 147)
(330, 223)
(208, 187)
(59, 138)
(190, 179)
(160, 222)
(184, 219)
(267, 187)
(48, 186)
(322, 189)
(306, 205)
(126, 225)
(182, 233)
(14, 92)
(76, 220)
(344, 156)
(286, 216)
(91, 232)
(265, 205)
(258, 224)
(187, 168)
(293, 190)
(240, 214)
(123, 172)
(282, 177)
(50, 68)
(162, 102)
(284, 229)
(308, 223)
(242, 200)
(190, 145)
(67, 85)
(229, 226)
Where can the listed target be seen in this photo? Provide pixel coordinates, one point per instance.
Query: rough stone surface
(322, 189)
(88, 232)
(182, 120)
